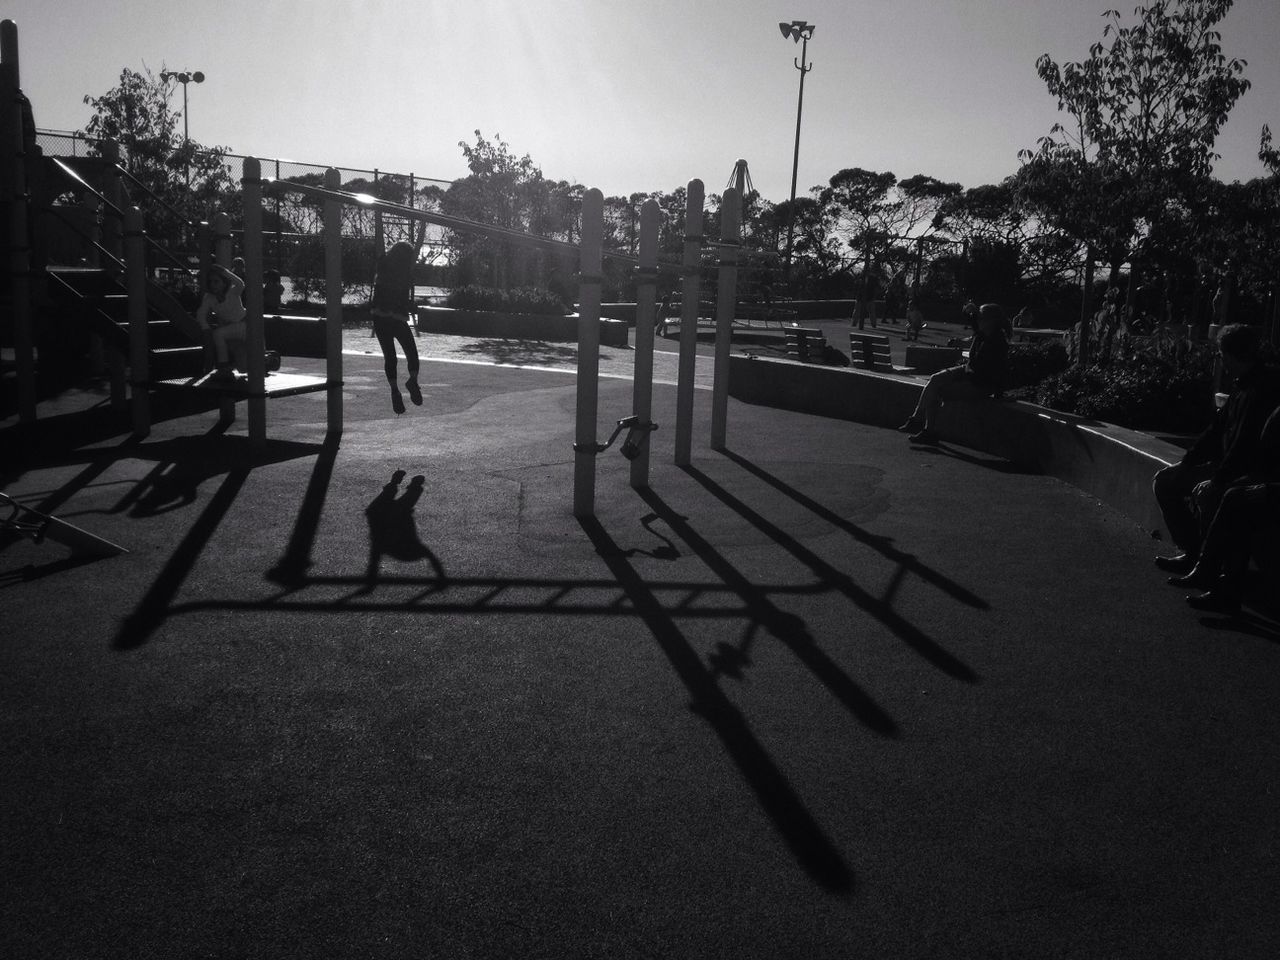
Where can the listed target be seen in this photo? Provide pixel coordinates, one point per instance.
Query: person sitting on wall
(1248, 507)
(272, 291)
(980, 376)
(221, 315)
(1188, 492)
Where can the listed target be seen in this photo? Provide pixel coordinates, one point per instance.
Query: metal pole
(584, 458)
(646, 295)
(726, 303)
(795, 159)
(254, 339)
(333, 302)
(136, 284)
(689, 306)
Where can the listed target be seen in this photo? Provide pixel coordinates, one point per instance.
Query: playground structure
(121, 247)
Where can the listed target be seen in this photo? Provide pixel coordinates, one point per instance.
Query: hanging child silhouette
(393, 532)
(389, 309)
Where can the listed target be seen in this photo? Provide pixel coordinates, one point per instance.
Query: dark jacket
(1231, 441)
(988, 360)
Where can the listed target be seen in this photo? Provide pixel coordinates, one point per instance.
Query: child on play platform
(223, 305)
(390, 311)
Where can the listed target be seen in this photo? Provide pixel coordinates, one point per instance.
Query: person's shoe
(911, 426)
(415, 393)
(223, 374)
(923, 436)
(1200, 578)
(1182, 563)
(1217, 600)
(397, 401)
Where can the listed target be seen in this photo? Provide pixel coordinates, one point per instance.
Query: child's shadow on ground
(393, 532)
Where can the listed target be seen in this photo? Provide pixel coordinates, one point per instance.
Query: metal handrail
(117, 212)
(156, 197)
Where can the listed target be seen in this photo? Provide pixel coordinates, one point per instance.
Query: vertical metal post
(15, 190)
(726, 307)
(254, 337)
(689, 307)
(333, 302)
(795, 160)
(279, 258)
(135, 253)
(222, 257)
(646, 294)
(584, 458)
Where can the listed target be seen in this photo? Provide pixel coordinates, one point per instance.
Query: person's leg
(410, 347)
(1172, 487)
(387, 342)
(1225, 552)
(223, 337)
(930, 398)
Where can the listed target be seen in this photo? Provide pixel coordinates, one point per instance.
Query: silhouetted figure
(915, 321)
(393, 532)
(272, 291)
(980, 376)
(221, 315)
(1189, 491)
(1248, 508)
(390, 312)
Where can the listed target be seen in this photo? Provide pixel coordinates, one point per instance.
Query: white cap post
(646, 295)
(333, 301)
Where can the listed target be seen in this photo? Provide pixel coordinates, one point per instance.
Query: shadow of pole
(291, 571)
(910, 634)
(802, 834)
(881, 544)
(786, 627)
(154, 608)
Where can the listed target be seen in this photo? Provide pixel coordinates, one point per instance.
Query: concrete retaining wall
(1111, 463)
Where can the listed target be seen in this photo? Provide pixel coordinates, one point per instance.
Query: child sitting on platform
(223, 304)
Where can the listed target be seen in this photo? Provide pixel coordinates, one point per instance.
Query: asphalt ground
(821, 695)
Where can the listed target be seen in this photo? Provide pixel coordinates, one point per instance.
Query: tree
(185, 175)
(1146, 108)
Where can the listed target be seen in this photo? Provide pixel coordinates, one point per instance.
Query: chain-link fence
(292, 222)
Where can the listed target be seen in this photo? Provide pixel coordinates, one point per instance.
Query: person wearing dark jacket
(1248, 509)
(1188, 492)
(982, 375)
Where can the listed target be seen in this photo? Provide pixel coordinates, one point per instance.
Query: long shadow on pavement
(879, 607)
(802, 834)
(883, 545)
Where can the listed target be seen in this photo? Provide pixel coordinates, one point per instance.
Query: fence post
(254, 338)
(646, 294)
(584, 458)
(333, 302)
(689, 308)
(726, 304)
(135, 266)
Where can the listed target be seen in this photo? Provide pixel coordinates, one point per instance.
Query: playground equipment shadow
(820, 694)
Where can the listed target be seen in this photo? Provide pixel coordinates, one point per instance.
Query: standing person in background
(389, 310)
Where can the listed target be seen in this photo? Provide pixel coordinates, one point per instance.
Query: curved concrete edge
(1109, 462)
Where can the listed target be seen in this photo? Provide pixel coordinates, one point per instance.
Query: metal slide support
(135, 269)
(689, 306)
(584, 457)
(255, 346)
(333, 302)
(726, 307)
(646, 295)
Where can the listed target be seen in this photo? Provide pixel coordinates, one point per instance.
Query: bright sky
(626, 96)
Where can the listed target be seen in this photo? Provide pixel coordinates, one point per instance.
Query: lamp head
(796, 29)
(198, 77)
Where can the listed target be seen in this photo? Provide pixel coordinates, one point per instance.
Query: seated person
(1188, 492)
(221, 314)
(272, 291)
(1247, 507)
(982, 375)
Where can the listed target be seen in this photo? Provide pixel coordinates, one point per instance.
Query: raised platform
(276, 385)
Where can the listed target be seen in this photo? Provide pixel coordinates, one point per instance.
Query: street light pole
(799, 31)
(185, 77)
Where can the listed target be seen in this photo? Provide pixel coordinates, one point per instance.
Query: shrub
(520, 300)
(1141, 390)
(1029, 363)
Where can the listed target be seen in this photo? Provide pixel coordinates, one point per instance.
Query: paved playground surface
(823, 695)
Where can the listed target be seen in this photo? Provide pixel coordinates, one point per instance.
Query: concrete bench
(805, 344)
(870, 350)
